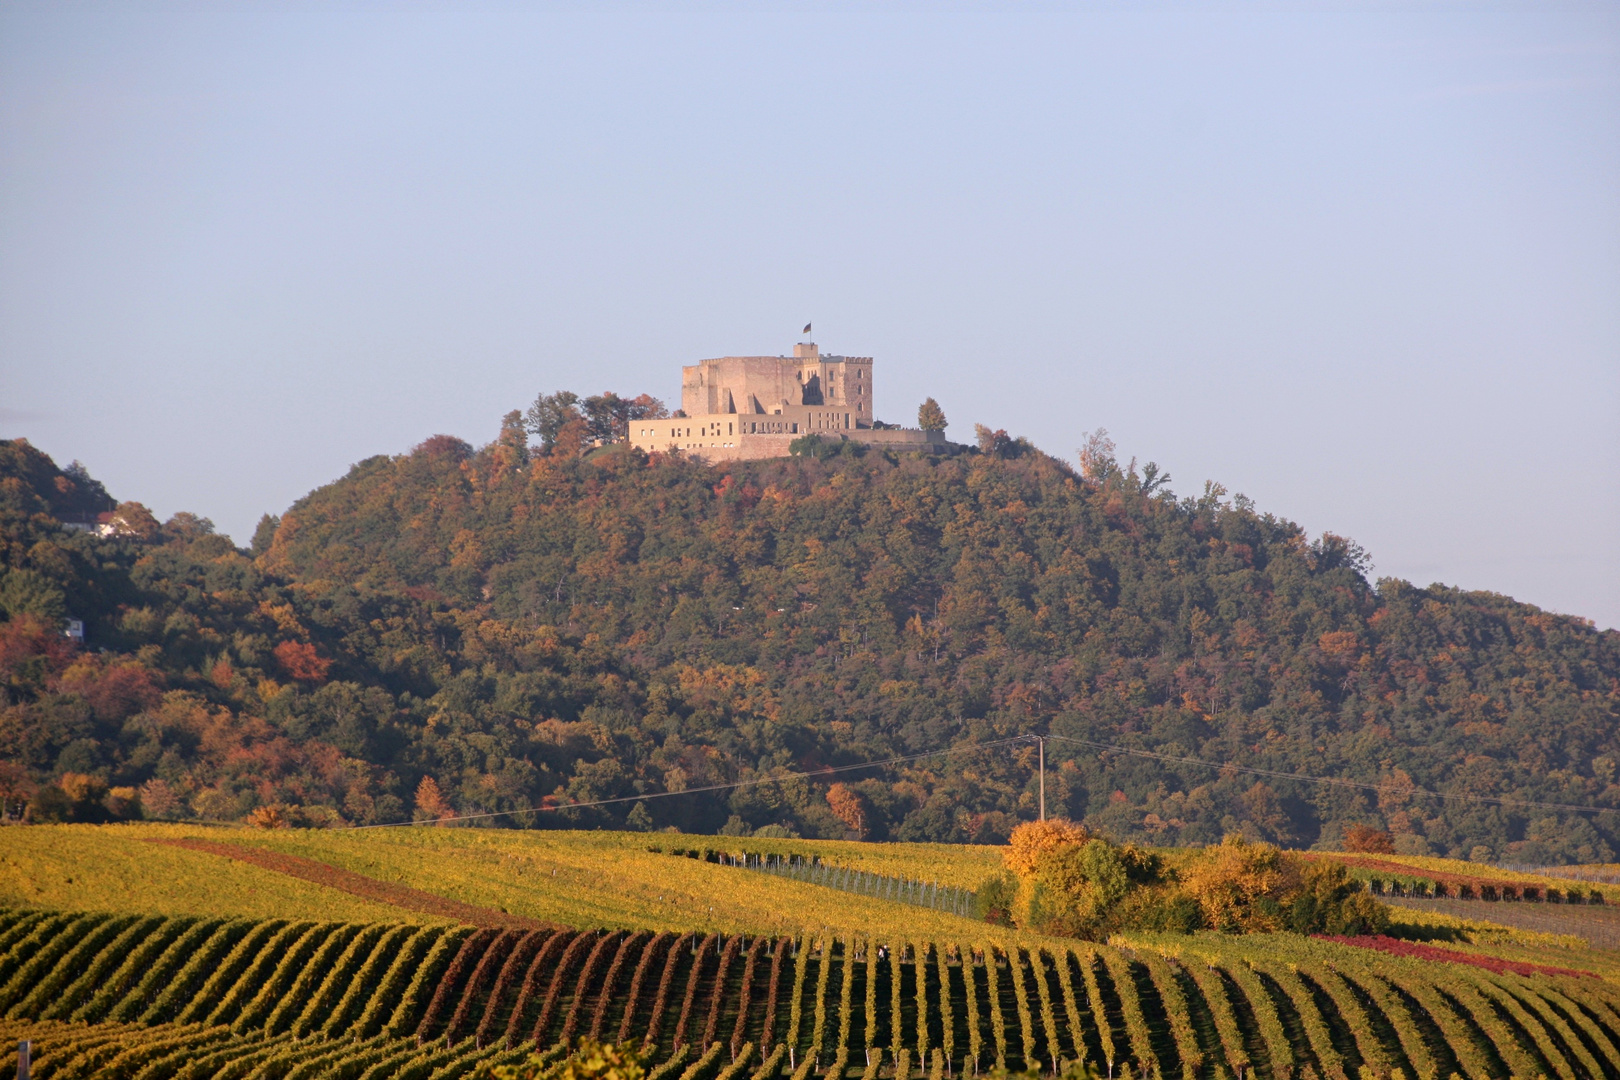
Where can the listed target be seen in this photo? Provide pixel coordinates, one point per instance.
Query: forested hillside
(469, 631)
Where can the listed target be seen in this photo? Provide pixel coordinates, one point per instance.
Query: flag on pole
(806, 329)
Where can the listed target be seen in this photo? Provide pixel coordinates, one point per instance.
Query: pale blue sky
(1361, 263)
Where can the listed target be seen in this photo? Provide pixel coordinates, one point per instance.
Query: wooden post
(1043, 777)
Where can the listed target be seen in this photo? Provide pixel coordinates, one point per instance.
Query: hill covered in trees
(480, 630)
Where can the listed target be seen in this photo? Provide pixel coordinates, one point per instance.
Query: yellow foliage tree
(1240, 885)
(1034, 839)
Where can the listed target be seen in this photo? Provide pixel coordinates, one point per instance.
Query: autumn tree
(930, 417)
(1362, 837)
(550, 414)
(850, 807)
(431, 805)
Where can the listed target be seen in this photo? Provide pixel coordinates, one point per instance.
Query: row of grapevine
(306, 997)
(928, 894)
(811, 869)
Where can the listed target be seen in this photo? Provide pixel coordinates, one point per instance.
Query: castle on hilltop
(740, 407)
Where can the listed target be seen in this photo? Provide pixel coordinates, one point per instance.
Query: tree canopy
(521, 625)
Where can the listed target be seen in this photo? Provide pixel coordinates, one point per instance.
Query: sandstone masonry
(739, 407)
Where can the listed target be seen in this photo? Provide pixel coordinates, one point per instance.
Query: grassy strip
(334, 877)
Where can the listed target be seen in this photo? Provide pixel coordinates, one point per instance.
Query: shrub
(993, 902)
(1073, 884)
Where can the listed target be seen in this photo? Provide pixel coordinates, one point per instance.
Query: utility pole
(1042, 739)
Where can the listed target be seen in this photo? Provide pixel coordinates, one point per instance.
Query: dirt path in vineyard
(384, 892)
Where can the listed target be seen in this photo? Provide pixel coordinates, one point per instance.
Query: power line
(1327, 781)
(771, 779)
(1334, 781)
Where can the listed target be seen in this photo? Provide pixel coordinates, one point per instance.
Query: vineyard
(126, 996)
(899, 890)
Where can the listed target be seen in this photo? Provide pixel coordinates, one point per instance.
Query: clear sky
(1361, 264)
